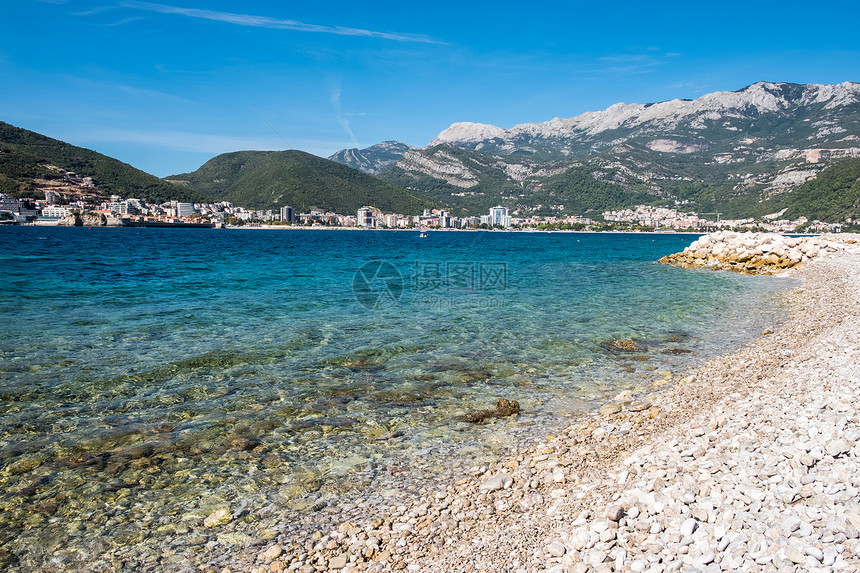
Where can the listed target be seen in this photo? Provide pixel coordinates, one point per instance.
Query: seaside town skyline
(125, 211)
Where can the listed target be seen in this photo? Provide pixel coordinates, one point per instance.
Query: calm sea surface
(149, 375)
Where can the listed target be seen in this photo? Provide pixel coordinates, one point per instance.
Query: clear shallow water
(149, 375)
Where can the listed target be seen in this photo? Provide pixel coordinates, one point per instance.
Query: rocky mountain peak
(761, 97)
(466, 131)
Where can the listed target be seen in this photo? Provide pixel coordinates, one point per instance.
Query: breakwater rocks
(755, 253)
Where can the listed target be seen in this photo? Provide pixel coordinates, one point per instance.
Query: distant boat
(423, 233)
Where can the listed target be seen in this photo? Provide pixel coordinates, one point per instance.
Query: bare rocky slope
(373, 159)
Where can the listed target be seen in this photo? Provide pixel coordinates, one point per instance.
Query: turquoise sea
(149, 375)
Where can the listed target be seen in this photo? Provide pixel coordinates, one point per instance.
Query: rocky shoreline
(748, 463)
(754, 253)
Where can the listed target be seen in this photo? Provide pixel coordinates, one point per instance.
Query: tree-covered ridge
(580, 192)
(271, 179)
(24, 153)
(832, 196)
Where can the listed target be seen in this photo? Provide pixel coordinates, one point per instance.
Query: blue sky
(167, 85)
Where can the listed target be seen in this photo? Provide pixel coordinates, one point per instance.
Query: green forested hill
(23, 152)
(271, 179)
(833, 196)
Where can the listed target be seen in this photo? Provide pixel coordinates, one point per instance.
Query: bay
(159, 373)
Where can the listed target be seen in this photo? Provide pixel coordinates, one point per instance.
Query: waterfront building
(445, 219)
(391, 220)
(7, 203)
(184, 209)
(365, 217)
(122, 207)
(56, 211)
(136, 206)
(288, 214)
(499, 217)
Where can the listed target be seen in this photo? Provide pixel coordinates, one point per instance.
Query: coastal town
(119, 212)
(73, 200)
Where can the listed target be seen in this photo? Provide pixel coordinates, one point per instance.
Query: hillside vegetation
(24, 154)
(833, 195)
(271, 179)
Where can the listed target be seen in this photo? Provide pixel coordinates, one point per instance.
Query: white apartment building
(499, 217)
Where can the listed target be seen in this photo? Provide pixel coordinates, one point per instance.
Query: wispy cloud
(124, 22)
(181, 140)
(637, 62)
(344, 123)
(630, 58)
(273, 23)
(170, 144)
(108, 87)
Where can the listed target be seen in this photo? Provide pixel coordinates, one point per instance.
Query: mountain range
(742, 153)
(769, 148)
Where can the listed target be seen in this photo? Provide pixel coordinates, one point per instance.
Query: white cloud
(124, 22)
(636, 62)
(273, 23)
(203, 143)
(181, 140)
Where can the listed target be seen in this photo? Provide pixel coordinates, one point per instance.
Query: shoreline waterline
(417, 230)
(682, 488)
(225, 542)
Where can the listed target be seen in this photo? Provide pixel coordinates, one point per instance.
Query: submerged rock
(362, 365)
(504, 407)
(677, 336)
(623, 345)
(218, 517)
(243, 444)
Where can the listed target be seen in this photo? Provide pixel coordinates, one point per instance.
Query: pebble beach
(748, 463)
